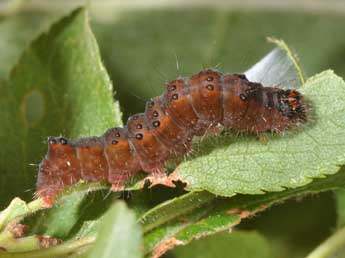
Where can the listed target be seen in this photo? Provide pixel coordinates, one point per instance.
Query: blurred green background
(147, 43)
(174, 38)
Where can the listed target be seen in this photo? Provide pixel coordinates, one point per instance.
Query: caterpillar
(187, 108)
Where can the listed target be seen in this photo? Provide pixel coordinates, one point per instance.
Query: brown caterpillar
(188, 107)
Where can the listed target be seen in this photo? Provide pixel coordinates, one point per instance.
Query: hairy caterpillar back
(188, 107)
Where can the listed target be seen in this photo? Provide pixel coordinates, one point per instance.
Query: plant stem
(332, 247)
(35, 205)
(23, 244)
(55, 251)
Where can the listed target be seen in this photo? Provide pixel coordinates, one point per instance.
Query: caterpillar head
(292, 104)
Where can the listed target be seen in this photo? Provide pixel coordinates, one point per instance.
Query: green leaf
(238, 244)
(173, 208)
(119, 235)
(26, 26)
(290, 160)
(211, 216)
(298, 226)
(71, 208)
(58, 86)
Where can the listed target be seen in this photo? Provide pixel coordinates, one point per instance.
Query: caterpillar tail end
(59, 168)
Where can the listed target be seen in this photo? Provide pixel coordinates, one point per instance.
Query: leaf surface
(119, 235)
(17, 31)
(59, 86)
(238, 244)
(71, 209)
(215, 214)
